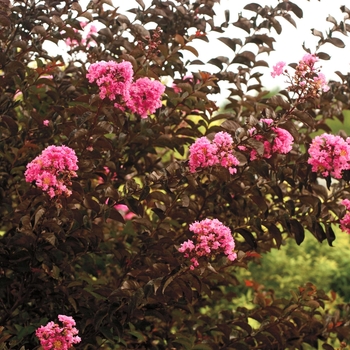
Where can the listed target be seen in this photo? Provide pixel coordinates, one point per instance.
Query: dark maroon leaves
(336, 42)
(298, 231)
(248, 237)
(108, 254)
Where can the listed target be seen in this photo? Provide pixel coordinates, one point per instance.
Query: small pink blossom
(307, 81)
(345, 220)
(46, 122)
(145, 96)
(124, 211)
(309, 59)
(204, 153)
(72, 42)
(112, 175)
(329, 155)
(53, 337)
(283, 141)
(210, 238)
(53, 170)
(267, 121)
(18, 95)
(321, 82)
(176, 88)
(242, 148)
(281, 144)
(187, 77)
(278, 69)
(85, 33)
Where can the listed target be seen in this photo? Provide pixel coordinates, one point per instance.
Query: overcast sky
(288, 45)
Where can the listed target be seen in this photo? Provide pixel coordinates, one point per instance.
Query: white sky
(288, 45)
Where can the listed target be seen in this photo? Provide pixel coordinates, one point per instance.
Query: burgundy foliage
(119, 273)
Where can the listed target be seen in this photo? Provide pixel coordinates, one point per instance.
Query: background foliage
(310, 262)
(123, 280)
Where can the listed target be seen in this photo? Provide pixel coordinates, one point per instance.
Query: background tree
(107, 253)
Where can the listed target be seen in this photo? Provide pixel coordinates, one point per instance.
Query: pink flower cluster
(278, 69)
(329, 155)
(53, 169)
(345, 221)
(204, 153)
(282, 143)
(309, 77)
(145, 96)
(52, 336)
(115, 81)
(307, 81)
(211, 238)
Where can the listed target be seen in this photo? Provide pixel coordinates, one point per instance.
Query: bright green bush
(312, 262)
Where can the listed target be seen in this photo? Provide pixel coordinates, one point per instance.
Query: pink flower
(72, 42)
(115, 82)
(321, 83)
(186, 248)
(176, 88)
(242, 148)
(113, 175)
(46, 122)
(307, 81)
(278, 69)
(145, 96)
(18, 95)
(187, 77)
(283, 141)
(114, 79)
(52, 336)
(210, 238)
(204, 154)
(345, 221)
(309, 59)
(329, 155)
(86, 37)
(67, 321)
(224, 144)
(124, 210)
(267, 121)
(281, 144)
(85, 33)
(53, 170)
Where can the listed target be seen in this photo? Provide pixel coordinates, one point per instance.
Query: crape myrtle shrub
(126, 276)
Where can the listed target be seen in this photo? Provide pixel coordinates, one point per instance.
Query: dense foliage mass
(128, 206)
